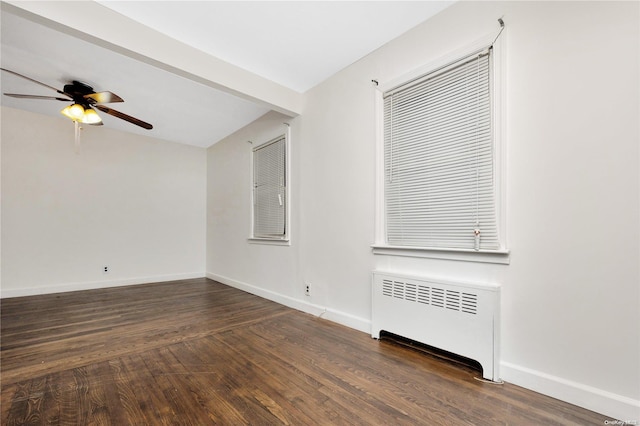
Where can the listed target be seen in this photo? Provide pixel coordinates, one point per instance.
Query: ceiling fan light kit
(85, 115)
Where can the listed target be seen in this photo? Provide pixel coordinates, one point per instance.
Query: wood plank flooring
(196, 352)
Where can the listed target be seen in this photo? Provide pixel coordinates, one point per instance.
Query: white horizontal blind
(439, 159)
(269, 190)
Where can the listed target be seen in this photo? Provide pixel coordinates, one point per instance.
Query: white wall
(570, 296)
(133, 203)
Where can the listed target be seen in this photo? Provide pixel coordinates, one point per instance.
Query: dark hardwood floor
(196, 352)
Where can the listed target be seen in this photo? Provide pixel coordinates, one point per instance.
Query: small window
(270, 190)
(440, 187)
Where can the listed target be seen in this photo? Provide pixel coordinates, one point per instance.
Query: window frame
(501, 255)
(286, 238)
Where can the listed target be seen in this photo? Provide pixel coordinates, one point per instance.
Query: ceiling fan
(84, 99)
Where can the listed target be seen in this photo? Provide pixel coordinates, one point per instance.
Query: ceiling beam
(97, 24)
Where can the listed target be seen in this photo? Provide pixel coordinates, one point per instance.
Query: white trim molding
(618, 407)
(92, 285)
(498, 256)
(269, 241)
(343, 318)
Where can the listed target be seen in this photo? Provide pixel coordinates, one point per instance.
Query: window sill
(269, 241)
(497, 256)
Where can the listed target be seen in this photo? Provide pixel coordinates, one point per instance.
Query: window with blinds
(269, 190)
(439, 154)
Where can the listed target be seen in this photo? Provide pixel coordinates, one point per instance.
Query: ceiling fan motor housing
(77, 90)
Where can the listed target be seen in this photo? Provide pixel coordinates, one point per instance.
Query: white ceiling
(296, 44)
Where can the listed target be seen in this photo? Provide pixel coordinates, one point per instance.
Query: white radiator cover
(460, 318)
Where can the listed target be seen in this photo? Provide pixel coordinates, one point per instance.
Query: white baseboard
(92, 285)
(339, 317)
(617, 407)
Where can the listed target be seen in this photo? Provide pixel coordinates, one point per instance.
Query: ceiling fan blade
(104, 97)
(35, 81)
(17, 95)
(124, 116)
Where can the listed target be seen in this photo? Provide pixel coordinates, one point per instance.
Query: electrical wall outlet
(105, 270)
(307, 290)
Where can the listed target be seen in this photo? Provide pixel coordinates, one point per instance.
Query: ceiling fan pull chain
(77, 136)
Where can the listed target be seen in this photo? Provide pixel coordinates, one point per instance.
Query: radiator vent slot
(466, 302)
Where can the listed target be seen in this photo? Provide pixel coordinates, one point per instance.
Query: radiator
(460, 318)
